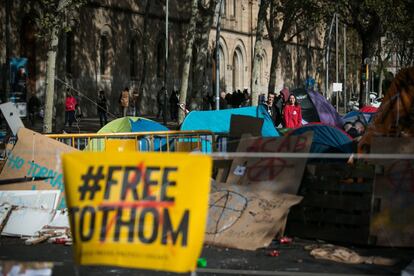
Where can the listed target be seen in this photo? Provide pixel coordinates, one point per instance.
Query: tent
(353, 116)
(315, 108)
(218, 121)
(369, 109)
(326, 139)
(394, 117)
(132, 124)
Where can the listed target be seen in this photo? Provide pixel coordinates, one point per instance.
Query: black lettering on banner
(127, 185)
(104, 225)
(168, 231)
(87, 235)
(127, 223)
(148, 182)
(110, 181)
(142, 225)
(72, 216)
(166, 183)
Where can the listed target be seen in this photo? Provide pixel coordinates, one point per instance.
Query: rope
(84, 96)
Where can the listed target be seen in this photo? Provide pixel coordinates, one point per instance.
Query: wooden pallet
(337, 204)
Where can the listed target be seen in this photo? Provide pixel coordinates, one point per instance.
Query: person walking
(102, 108)
(70, 106)
(174, 105)
(160, 102)
(292, 113)
(135, 99)
(124, 101)
(33, 106)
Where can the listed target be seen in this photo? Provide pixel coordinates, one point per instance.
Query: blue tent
(353, 116)
(326, 139)
(218, 121)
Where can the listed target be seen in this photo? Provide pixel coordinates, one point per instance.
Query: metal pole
(6, 81)
(165, 65)
(366, 83)
(344, 86)
(337, 60)
(327, 58)
(218, 57)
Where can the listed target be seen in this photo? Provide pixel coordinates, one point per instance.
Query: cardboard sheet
(281, 175)
(35, 155)
(246, 218)
(26, 221)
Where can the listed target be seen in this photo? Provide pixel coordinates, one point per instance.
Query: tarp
(353, 116)
(315, 108)
(309, 112)
(218, 121)
(369, 109)
(326, 139)
(395, 114)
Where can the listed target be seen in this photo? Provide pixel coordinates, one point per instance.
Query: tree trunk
(274, 65)
(145, 47)
(50, 82)
(258, 51)
(188, 57)
(205, 22)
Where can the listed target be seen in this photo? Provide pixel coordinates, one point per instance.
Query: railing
(160, 141)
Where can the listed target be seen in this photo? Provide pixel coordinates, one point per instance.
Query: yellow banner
(138, 210)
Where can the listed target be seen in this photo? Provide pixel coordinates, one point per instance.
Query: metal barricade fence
(160, 141)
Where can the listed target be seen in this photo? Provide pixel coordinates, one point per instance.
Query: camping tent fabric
(353, 116)
(315, 108)
(124, 125)
(218, 121)
(130, 124)
(327, 113)
(369, 109)
(326, 139)
(309, 113)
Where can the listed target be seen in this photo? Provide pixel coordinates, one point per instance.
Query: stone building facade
(103, 50)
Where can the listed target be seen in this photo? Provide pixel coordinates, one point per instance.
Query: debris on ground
(344, 255)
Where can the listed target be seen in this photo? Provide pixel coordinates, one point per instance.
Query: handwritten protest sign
(35, 155)
(246, 218)
(275, 174)
(140, 210)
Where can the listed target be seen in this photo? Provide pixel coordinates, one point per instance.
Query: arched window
(133, 58)
(103, 53)
(69, 52)
(233, 8)
(160, 58)
(238, 74)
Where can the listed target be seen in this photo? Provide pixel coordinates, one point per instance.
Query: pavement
(292, 260)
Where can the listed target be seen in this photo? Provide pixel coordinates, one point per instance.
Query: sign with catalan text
(138, 210)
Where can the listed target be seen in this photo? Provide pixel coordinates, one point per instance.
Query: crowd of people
(284, 109)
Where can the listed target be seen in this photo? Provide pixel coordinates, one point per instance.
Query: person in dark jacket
(272, 109)
(102, 108)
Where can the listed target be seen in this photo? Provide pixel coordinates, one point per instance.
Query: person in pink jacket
(70, 106)
(292, 113)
